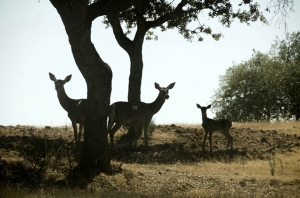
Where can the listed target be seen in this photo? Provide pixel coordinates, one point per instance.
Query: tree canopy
(146, 15)
(266, 87)
(184, 15)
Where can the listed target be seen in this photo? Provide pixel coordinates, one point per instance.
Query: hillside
(35, 158)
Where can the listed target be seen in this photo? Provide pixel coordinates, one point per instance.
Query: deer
(211, 125)
(136, 114)
(75, 108)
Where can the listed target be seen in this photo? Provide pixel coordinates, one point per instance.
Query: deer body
(211, 125)
(137, 114)
(75, 108)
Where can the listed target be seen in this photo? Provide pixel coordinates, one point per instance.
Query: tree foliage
(184, 15)
(266, 87)
(146, 15)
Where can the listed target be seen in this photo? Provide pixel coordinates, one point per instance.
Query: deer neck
(204, 117)
(64, 100)
(157, 104)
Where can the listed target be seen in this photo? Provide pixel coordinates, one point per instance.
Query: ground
(265, 161)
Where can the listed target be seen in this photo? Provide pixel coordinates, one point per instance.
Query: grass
(238, 178)
(290, 128)
(287, 127)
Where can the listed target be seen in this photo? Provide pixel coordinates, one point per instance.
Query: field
(265, 162)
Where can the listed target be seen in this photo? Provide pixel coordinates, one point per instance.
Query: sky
(33, 42)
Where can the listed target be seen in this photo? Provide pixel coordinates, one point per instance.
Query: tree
(146, 15)
(288, 52)
(281, 9)
(77, 17)
(266, 87)
(239, 96)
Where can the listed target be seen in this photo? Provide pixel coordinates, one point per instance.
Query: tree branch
(178, 12)
(105, 7)
(121, 38)
(141, 22)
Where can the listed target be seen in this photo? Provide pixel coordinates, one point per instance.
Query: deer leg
(203, 146)
(224, 132)
(146, 135)
(80, 131)
(228, 136)
(112, 133)
(75, 129)
(110, 124)
(210, 137)
(230, 139)
(138, 131)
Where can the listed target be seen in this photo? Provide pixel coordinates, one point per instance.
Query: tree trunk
(95, 151)
(98, 77)
(134, 50)
(135, 76)
(135, 82)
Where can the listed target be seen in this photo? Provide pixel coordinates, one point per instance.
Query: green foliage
(266, 87)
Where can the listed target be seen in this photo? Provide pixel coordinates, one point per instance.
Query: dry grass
(239, 177)
(211, 178)
(288, 127)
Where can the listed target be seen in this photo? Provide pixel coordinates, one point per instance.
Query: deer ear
(52, 77)
(198, 106)
(208, 107)
(68, 78)
(157, 86)
(171, 85)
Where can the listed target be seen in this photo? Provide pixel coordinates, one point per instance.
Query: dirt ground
(171, 144)
(172, 150)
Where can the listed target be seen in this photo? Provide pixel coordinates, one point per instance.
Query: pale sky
(33, 42)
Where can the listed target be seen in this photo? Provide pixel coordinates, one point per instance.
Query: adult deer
(137, 114)
(211, 125)
(75, 108)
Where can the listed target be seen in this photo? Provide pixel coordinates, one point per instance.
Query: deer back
(77, 110)
(130, 114)
(215, 125)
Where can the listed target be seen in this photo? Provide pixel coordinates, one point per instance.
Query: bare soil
(174, 164)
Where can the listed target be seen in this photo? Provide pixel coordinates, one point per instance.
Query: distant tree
(288, 52)
(241, 91)
(265, 87)
(77, 17)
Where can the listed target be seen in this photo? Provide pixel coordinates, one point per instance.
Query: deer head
(59, 83)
